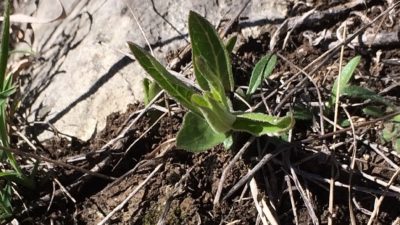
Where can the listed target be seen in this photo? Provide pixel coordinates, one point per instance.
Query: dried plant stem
(289, 184)
(356, 125)
(228, 168)
(321, 104)
(255, 169)
(55, 162)
(324, 57)
(352, 164)
(123, 203)
(332, 179)
(379, 201)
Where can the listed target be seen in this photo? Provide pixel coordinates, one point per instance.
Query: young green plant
(7, 88)
(211, 119)
(346, 89)
(391, 128)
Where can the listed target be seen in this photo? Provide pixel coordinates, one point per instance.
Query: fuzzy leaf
(206, 43)
(261, 71)
(214, 112)
(230, 44)
(172, 85)
(261, 124)
(363, 93)
(214, 83)
(196, 135)
(347, 73)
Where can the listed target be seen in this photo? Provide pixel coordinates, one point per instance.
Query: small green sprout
(211, 119)
(261, 71)
(391, 128)
(345, 89)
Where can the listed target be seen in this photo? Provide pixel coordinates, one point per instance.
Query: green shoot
(230, 44)
(211, 119)
(347, 73)
(261, 71)
(151, 89)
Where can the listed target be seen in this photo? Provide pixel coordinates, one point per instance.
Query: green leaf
(363, 93)
(228, 142)
(8, 83)
(172, 85)
(261, 71)
(215, 85)
(261, 124)
(347, 73)
(302, 113)
(151, 89)
(196, 135)
(345, 123)
(396, 144)
(4, 43)
(5, 203)
(396, 118)
(215, 113)
(206, 43)
(7, 93)
(373, 111)
(389, 131)
(230, 44)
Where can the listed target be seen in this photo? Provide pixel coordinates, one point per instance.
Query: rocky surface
(81, 72)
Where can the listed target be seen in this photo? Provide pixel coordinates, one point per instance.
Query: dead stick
(228, 168)
(59, 163)
(256, 168)
(357, 125)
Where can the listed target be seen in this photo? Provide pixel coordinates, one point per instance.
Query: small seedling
(345, 89)
(151, 89)
(391, 128)
(211, 119)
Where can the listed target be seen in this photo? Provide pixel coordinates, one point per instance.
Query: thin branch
(123, 203)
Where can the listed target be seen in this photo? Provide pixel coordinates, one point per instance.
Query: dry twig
(123, 203)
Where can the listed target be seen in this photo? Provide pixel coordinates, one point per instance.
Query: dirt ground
(294, 184)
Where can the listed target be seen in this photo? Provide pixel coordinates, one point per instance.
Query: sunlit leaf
(396, 118)
(347, 73)
(214, 83)
(228, 142)
(261, 124)
(214, 112)
(196, 135)
(7, 93)
(261, 71)
(4, 44)
(207, 44)
(172, 85)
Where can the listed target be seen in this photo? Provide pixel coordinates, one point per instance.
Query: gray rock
(81, 73)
